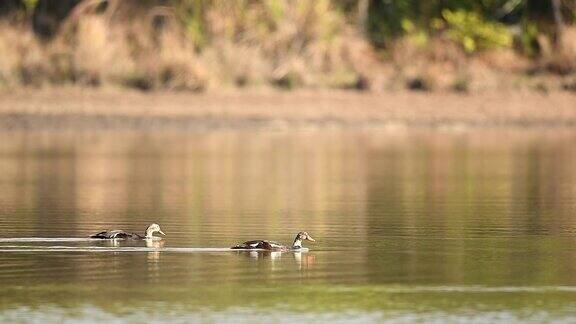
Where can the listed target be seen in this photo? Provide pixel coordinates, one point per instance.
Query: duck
(273, 246)
(120, 234)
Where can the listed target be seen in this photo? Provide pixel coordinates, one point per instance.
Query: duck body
(274, 246)
(261, 245)
(116, 234)
(120, 234)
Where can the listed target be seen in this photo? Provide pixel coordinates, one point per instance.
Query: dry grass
(290, 44)
(287, 43)
(441, 65)
(563, 60)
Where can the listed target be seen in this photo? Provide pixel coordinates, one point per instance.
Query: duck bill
(311, 239)
(159, 231)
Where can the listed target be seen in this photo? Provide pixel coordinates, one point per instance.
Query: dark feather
(259, 245)
(115, 234)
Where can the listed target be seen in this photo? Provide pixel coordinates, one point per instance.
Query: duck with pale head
(120, 234)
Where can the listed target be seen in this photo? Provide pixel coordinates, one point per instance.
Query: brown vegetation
(286, 44)
(310, 46)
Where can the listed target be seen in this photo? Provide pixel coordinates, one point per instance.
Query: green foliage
(30, 4)
(189, 13)
(387, 19)
(255, 19)
(274, 9)
(529, 39)
(416, 36)
(474, 33)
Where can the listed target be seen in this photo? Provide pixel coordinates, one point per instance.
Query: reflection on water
(410, 227)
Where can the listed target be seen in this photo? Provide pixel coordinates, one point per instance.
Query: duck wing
(271, 245)
(259, 244)
(255, 244)
(115, 234)
(100, 235)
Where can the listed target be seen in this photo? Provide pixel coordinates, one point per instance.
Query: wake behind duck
(113, 235)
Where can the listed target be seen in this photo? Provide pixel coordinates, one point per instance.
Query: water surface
(424, 226)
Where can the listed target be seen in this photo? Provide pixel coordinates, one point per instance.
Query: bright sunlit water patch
(423, 227)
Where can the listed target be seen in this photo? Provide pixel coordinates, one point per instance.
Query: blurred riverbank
(459, 46)
(81, 109)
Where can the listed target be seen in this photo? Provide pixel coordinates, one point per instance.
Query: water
(410, 227)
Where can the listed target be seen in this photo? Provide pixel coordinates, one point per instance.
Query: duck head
(153, 228)
(301, 237)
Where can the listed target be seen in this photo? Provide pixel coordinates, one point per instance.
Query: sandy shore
(57, 109)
